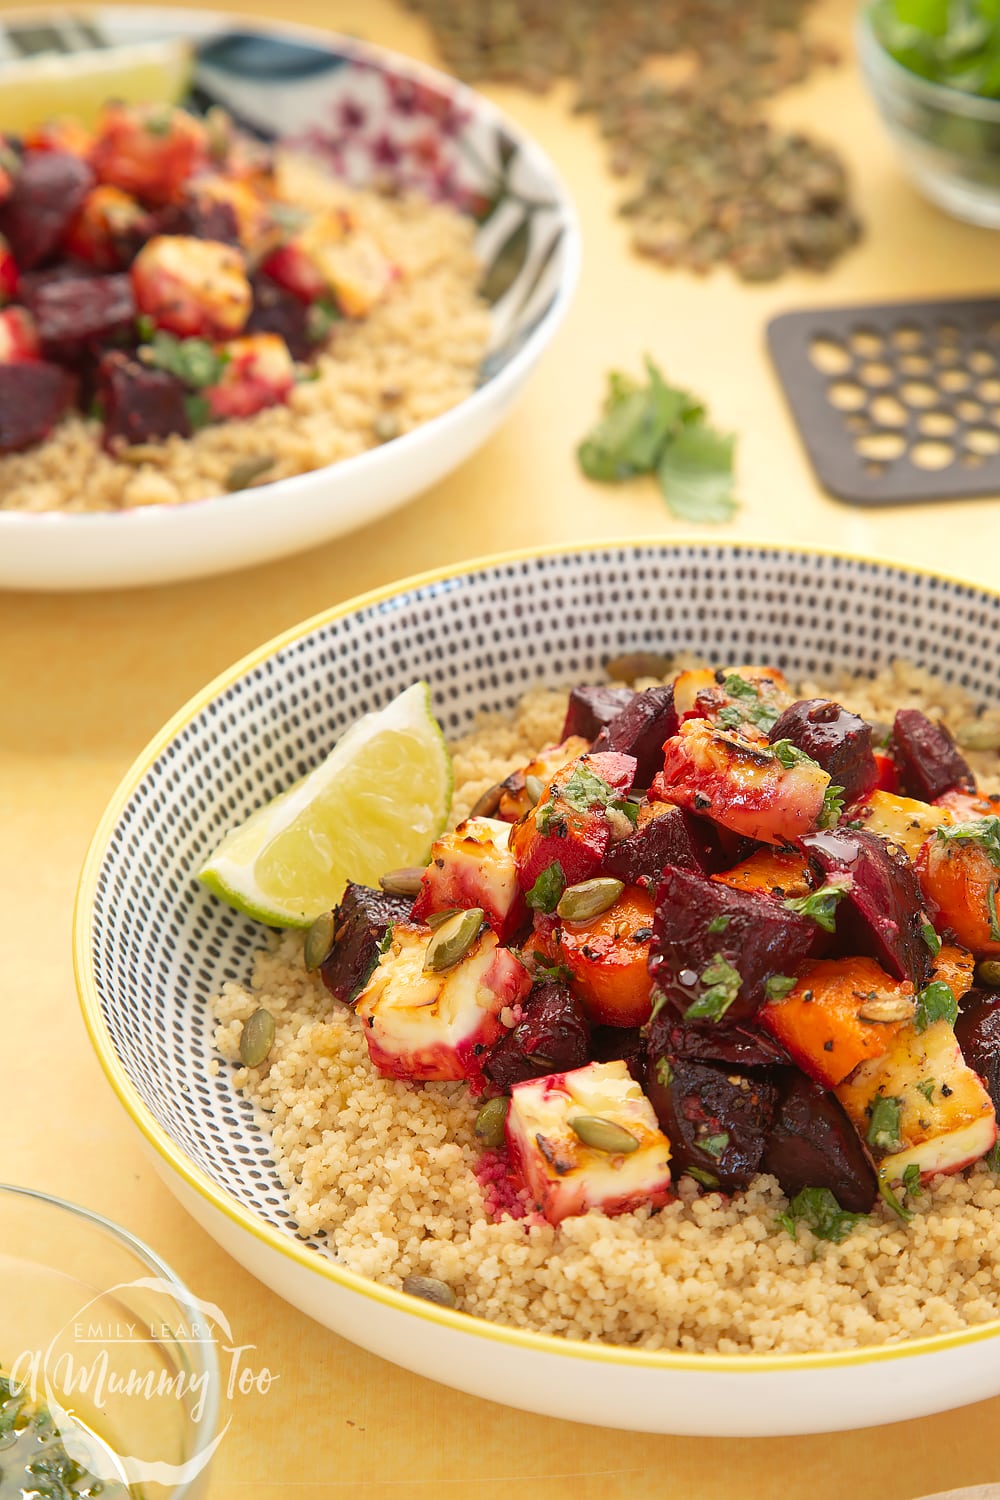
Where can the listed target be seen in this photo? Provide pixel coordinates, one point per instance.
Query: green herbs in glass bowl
(933, 67)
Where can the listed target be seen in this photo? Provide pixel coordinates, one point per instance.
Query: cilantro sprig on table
(656, 428)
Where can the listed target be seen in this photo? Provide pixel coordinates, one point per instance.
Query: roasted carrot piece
(608, 958)
(962, 884)
(841, 1012)
(776, 872)
(955, 967)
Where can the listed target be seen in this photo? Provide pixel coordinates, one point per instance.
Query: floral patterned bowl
(376, 117)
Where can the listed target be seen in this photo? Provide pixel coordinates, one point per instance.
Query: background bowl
(425, 131)
(948, 141)
(94, 1319)
(152, 945)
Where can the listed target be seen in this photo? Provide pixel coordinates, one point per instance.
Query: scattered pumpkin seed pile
(679, 90)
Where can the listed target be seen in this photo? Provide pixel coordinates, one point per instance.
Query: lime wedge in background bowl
(376, 803)
(35, 89)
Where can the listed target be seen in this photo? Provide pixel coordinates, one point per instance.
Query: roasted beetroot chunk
(591, 707)
(641, 729)
(928, 761)
(571, 830)
(71, 312)
(277, 311)
(717, 1120)
(553, 1036)
(140, 405)
(48, 192)
(674, 837)
(732, 1046)
(814, 1145)
(203, 218)
(839, 741)
(360, 925)
(880, 912)
(978, 1033)
(700, 924)
(33, 396)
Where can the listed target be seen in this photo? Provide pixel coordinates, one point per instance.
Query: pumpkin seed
(887, 1008)
(256, 1038)
(988, 973)
(244, 473)
(438, 918)
(490, 1122)
(431, 1290)
(404, 882)
(979, 734)
(319, 941)
(534, 786)
(637, 664)
(452, 941)
(486, 805)
(578, 903)
(603, 1135)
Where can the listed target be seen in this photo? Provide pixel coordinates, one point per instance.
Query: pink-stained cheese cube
(567, 1177)
(429, 1027)
(473, 866)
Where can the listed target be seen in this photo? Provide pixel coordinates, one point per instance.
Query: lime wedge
(375, 804)
(36, 89)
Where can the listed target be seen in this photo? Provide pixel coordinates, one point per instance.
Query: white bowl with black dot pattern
(373, 116)
(152, 944)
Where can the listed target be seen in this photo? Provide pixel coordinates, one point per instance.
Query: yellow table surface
(84, 682)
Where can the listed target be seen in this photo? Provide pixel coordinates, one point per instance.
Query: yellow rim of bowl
(273, 1239)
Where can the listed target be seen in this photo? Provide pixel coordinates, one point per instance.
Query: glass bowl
(948, 141)
(96, 1329)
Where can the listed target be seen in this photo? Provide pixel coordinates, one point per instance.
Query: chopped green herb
(821, 905)
(660, 429)
(984, 832)
(659, 1001)
(991, 912)
(320, 319)
(926, 1087)
(931, 938)
(819, 1211)
(789, 755)
(833, 806)
(145, 328)
(992, 1158)
(750, 708)
(585, 790)
(911, 1180)
(545, 973)
(718, 924)
(544, 894)
(714, 1145)
(722, 983)
(193, 361)
(891, 1201)
(664, 1072)
(778, 986)
(199, 413)
(707, 1179)
(935, 1002)
(629, 808)
(883, 1129)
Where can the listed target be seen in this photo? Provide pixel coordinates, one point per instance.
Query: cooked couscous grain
(388, 1170)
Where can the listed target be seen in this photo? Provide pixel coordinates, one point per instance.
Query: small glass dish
(98, 1332)
(948, 141)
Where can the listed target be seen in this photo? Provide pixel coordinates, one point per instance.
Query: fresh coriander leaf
(789, 755)
(821, 905)
(891, 1201)
(819, 1210)
(659, 1001)
(883, 1129)
(935, 1002)
(991, 912)
(547, 889)
(630, 809)
(321, 317)
(638, 423)
(750, 706)
(696, 475)
(585, 790)
(911, 1180)
(718, 924)
(193, 361)
(706, 1179)
(992, 1158)
(833, 807)
(931, 938)
(983, 832)
(738, 687)
(145, 328)
(664, 1072)
(199, 413)
(545, 973)
(715, 1145)
(778, 986)
(722, 985)
(926, 1087)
